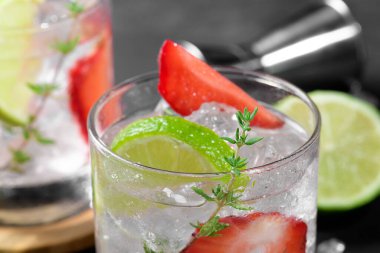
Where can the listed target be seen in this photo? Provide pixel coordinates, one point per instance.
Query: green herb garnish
(66, 47)
(42, 89)
(75, 8)
(225, 194)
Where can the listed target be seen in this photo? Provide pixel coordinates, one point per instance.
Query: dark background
(140, 27)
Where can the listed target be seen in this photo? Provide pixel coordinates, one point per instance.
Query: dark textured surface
(140, 26)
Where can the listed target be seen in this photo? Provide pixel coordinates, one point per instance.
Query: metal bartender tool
(320, 44)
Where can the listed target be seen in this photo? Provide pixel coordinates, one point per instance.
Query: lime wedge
(164, 142)
(16, 18)
(349, 167)
(172, 143)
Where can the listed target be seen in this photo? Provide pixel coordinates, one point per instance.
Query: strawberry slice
(89, 79)
(187, 82)
(257, 232)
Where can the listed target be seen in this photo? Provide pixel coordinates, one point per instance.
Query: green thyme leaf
(232, 200)
(237, 134)
(198, 225)
(236, 171)
(241, 162)
(26, 133)
(217, 190)
(212, 227)
(67, 46)
(75, 8)
(240, 207)
(20, 156)
(230, 140)
(41, 89)
(253, 141)
(229, 160)
(200, 192)
(253, 114)
(241, 165)
(246, 114)
(239, 115)
(236, 162)
(240, 118)
(41, 139)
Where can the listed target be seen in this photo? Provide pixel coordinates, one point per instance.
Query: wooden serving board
(69, 235)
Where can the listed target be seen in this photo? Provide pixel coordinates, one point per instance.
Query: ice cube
(67, 157)
(218, 117)
(277, 143)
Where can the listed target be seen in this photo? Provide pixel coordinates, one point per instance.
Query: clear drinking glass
(136, 205)
(55, 62)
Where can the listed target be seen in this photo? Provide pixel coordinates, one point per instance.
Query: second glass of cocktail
(163, 182)
(55, 62)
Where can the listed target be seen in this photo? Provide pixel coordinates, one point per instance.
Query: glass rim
(259, 77)
(53, 26)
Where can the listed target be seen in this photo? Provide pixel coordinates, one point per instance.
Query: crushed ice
(277, 143)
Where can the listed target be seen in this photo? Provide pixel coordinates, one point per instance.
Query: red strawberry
(89, 79)
(257, 232)
(187, 82)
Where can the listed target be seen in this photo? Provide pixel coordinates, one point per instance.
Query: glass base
(44, 203)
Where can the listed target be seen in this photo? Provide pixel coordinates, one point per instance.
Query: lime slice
(349, 167)
(16, 18)
(172, 143)
(164, 142)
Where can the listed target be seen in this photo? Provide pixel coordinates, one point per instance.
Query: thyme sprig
(225, 194)
(44, 91)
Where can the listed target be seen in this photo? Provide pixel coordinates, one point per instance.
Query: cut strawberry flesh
(89, 79)
(187, 82)
(257, 232)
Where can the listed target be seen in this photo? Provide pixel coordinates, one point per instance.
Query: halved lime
(349, 167)
(16, 20)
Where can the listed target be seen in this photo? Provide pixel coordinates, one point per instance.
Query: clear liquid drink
(137, 206)
(55, 62)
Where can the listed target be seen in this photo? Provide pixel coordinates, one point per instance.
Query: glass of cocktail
(159, 177)
(55, 62)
